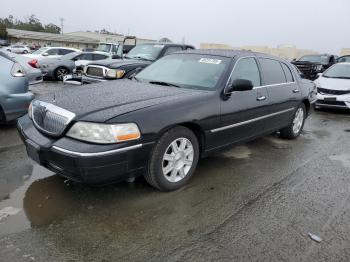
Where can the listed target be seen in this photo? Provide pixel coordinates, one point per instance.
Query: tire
(2, 116)
(168, 171)
(296, 126)
(60, 72)
(25, 52)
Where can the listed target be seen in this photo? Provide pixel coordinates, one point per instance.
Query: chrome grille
(332, 92)
(50, 119)
(94, 71)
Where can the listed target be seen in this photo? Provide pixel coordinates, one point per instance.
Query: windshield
(338, 71)
(40, 51)
(318, 59)
(186, 71)
(104, 48)
(147, 51)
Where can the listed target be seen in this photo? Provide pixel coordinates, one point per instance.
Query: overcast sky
(321, 25)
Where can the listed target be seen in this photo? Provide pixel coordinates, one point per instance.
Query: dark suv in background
(311, 65)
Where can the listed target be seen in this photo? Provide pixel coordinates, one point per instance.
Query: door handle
(296, 91)
(261, 98)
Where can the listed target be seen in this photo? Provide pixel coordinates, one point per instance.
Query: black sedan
(182, 107)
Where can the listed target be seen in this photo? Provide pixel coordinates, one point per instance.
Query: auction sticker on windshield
(210, 61)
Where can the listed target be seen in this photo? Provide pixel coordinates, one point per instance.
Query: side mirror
(45, 54)
(319, 75)
(240, 85)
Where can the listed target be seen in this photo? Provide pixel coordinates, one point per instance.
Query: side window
(65, 51)
(52, 51)
(172, 49)
(86, 57)
(99, 57)
(288, 73)
(246, 68)
(272, 71)
(114, 49)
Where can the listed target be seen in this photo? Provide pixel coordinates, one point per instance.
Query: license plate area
(330, 99)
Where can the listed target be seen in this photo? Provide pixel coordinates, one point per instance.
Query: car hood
(116, 63)
(103, 101)
(334, 83)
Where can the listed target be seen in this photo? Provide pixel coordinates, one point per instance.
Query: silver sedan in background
(14, 95)
(57, 68)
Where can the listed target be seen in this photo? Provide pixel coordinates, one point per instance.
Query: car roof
(165, 43)
(228, 53)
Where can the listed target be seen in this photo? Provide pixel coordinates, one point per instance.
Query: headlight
(104, 133)
(115, 73)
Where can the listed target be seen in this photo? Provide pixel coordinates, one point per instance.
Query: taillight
(17, 70)
(33, 63)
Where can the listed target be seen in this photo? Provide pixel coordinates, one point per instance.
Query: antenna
(62, 20)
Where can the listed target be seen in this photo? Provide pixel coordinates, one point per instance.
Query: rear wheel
(60, 73)
(173, 160)
(294, 129)
(25, 52)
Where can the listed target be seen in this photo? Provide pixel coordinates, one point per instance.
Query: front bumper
(76, 79)
(84, 162)
(333, 101)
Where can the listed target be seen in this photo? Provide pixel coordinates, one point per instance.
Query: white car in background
(333, 87)
(51, 52)
(18, 49)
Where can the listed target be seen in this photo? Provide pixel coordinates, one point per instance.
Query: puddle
(15, 187)
(344, 159)
(321, 133)
(277, 142)
(239, 152)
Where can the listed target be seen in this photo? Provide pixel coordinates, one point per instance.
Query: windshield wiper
(163, 83)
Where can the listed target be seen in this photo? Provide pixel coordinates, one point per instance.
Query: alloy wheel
(298, 120)
(177, 160)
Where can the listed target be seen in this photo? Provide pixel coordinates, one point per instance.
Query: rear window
(288, 73)
(272, 71)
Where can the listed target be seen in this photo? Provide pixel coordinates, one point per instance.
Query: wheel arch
(307, 104)
(195, 128)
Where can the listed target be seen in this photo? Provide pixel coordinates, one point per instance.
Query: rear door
(283, 90)
(242, 114)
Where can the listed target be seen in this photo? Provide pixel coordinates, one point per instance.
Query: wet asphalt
(255, 202)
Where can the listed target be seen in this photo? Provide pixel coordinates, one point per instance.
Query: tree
(3, 32)
(32, 23)
(52, 28)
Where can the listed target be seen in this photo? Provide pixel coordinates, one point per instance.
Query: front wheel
(294, 129)
(173, 160)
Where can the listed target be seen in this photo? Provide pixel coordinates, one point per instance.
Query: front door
(242, 114)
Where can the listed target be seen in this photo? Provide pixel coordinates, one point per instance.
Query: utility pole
(62, 20)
